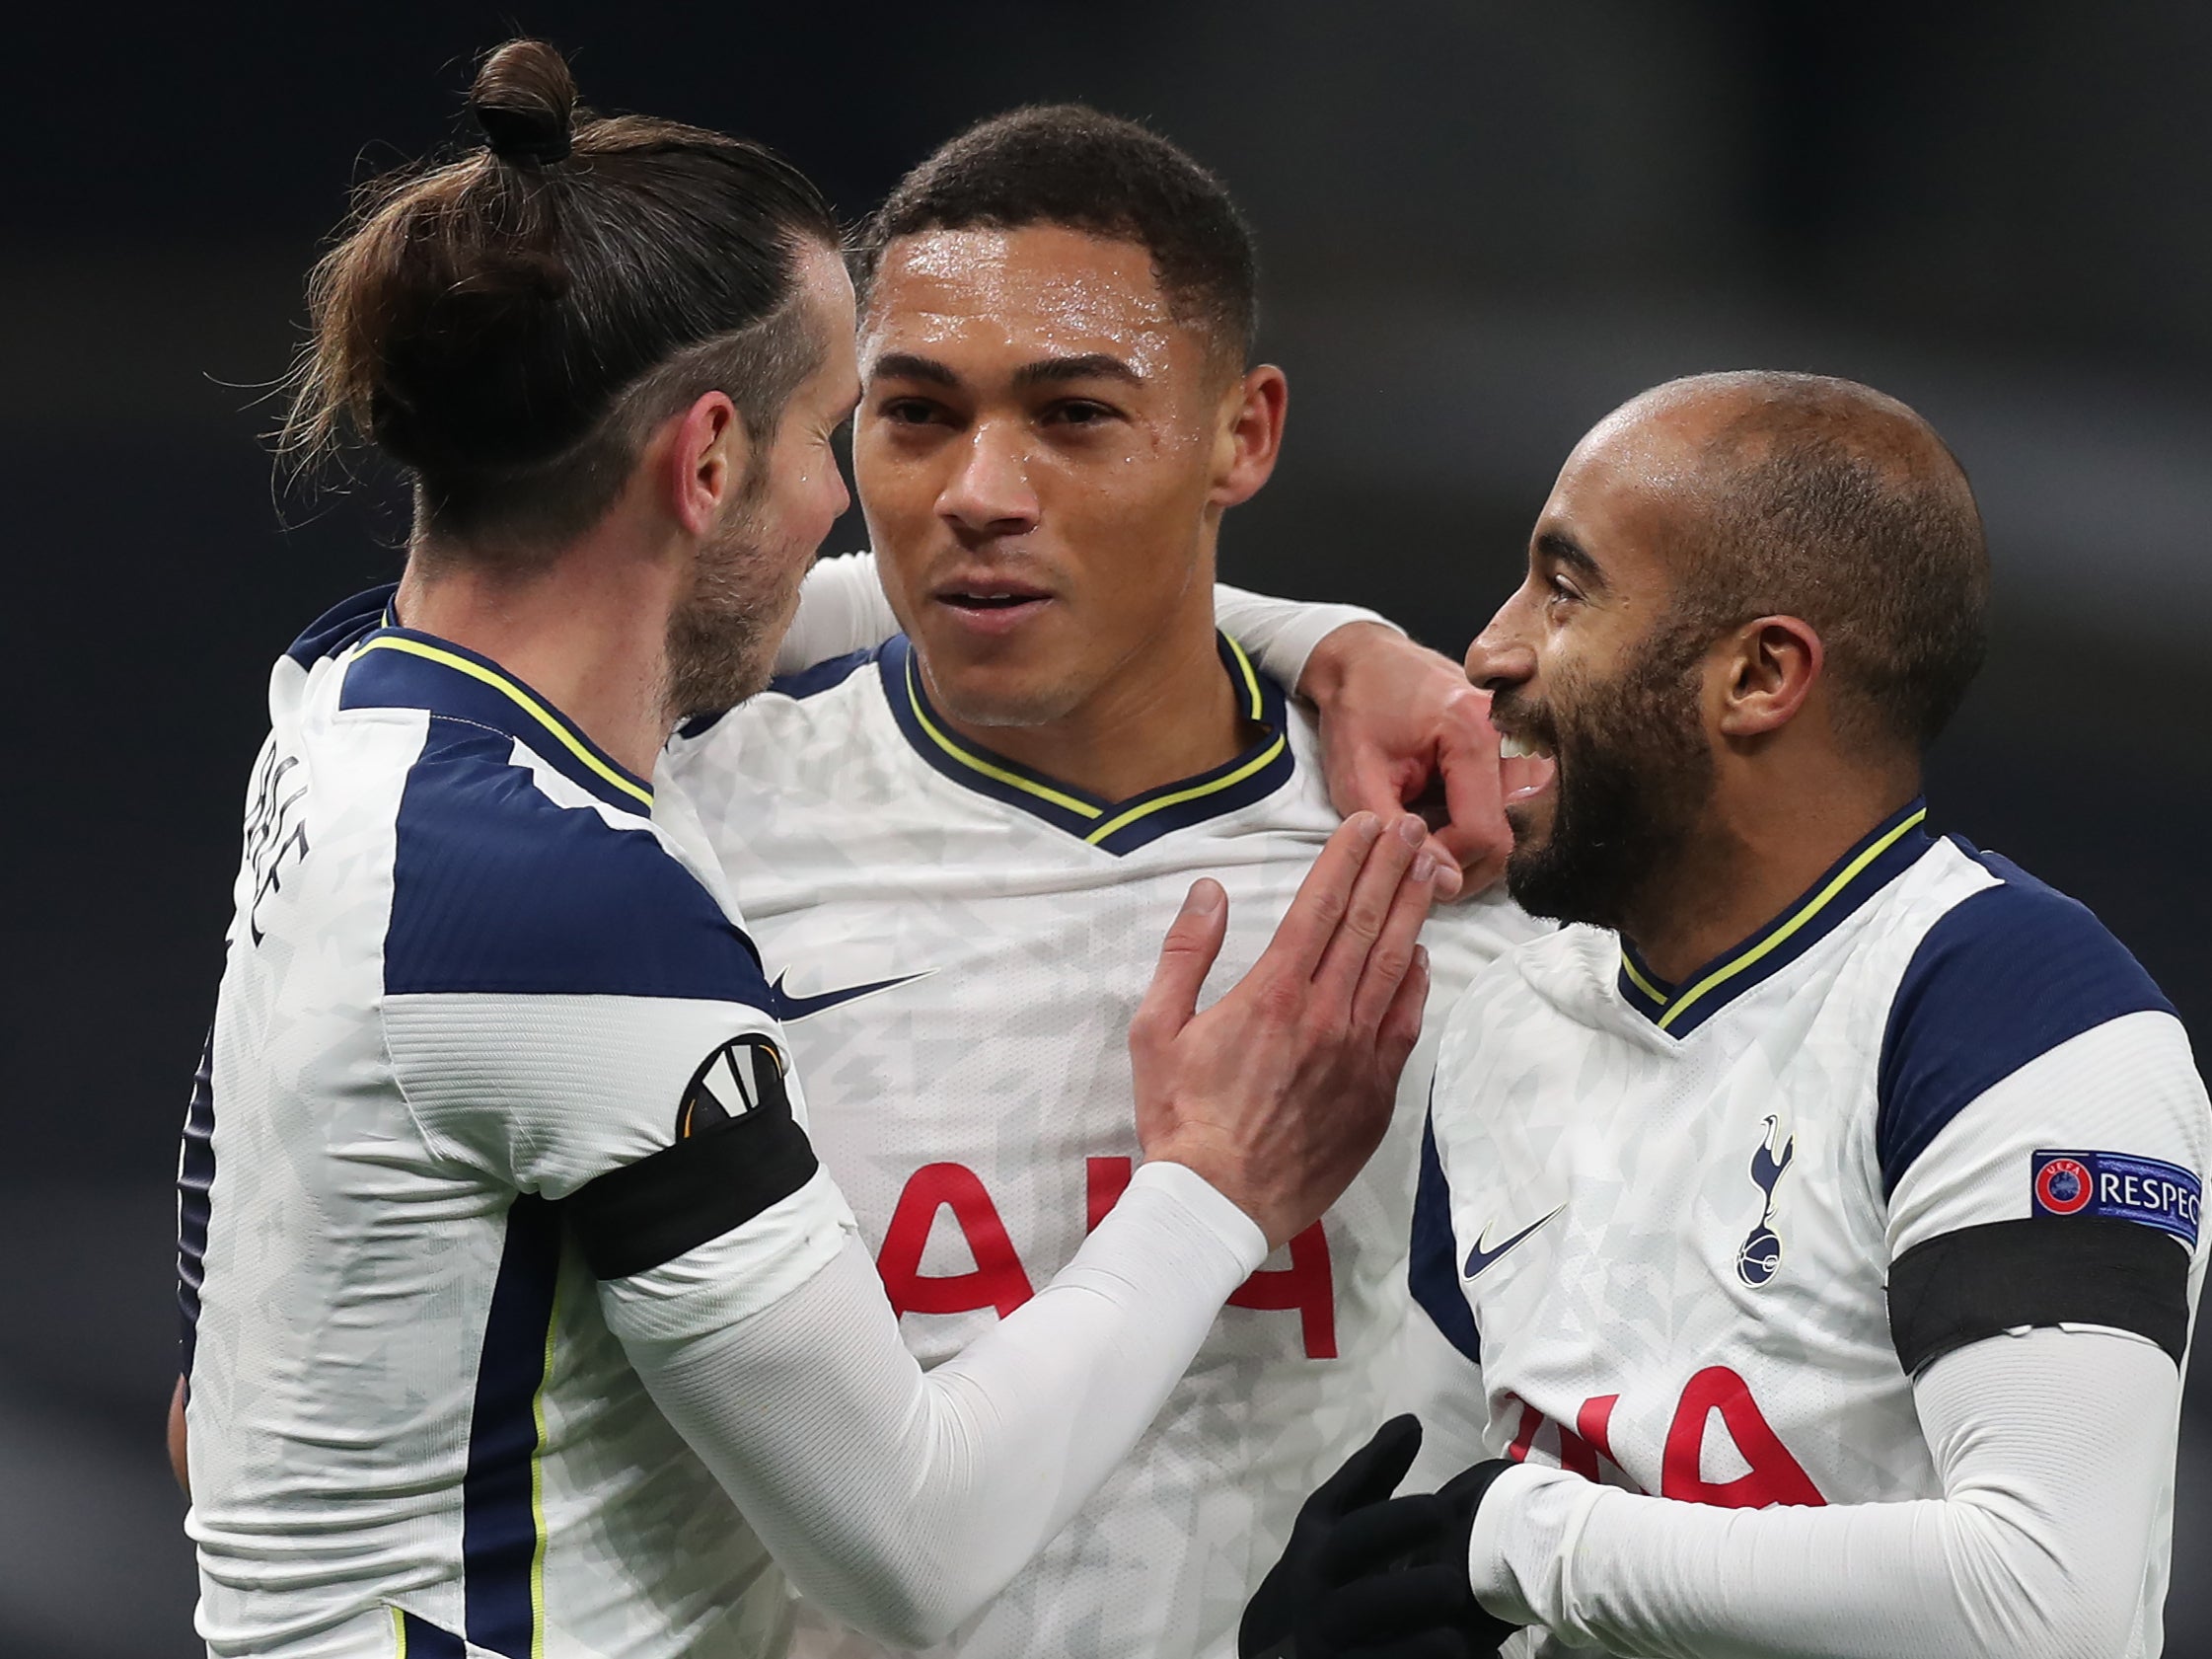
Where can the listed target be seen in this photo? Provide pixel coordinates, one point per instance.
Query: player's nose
(988, 492)
(1497, 661)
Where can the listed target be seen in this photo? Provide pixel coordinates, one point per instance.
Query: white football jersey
(471, 973)
(957, 944)
(1701, 1235)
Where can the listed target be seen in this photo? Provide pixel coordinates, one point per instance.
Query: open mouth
(992, 604)
(989, 601)
(1526, 768)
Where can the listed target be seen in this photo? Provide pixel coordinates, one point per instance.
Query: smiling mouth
(1526, 768)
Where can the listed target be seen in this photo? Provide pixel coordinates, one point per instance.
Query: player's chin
(1530, 821)
(1003, 689)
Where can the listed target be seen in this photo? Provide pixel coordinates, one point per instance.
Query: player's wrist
(1524, 1517)
(1207, 1205)
(1226, 1177)
(1337, 652)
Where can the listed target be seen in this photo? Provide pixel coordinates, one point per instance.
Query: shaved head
(1801, 494)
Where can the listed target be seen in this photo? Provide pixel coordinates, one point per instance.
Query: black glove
(1370, 1576)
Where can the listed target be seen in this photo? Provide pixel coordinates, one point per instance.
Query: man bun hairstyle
(510, 324)
(524, 100)
(1836, 503)
(1071, 165)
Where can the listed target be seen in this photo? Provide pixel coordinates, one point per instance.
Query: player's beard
(723, 634)
(1635, 775)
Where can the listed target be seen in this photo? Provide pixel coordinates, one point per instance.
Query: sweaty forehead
(1041, 290)
(1651, 447)
(1631, 485)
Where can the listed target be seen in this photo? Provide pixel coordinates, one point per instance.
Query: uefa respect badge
(2118, 1185)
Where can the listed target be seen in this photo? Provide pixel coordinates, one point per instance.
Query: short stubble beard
(723, 634)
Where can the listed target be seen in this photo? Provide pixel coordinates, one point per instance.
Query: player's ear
(1248, 434)
(1770, 672)
(701, 468)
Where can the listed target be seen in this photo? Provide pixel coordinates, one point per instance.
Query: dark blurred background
(1482, 225)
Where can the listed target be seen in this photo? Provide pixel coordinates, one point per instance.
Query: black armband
(738, 1151)
(2044, 1270)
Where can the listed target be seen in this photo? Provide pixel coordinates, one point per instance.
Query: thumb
(1371, 1474)
(1193, 940)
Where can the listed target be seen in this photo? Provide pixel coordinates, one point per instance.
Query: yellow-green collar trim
(1885, 852)
(1113, 826)
(437, 689)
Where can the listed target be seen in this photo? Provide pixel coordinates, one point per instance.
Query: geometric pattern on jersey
(957, 950)
(1672, 1245)
(475, 969)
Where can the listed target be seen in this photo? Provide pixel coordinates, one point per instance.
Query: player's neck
(1168, 711)
(588, 632)
(1756, 852)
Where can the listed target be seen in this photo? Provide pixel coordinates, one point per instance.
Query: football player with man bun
(1822, 1205)
(520, 1316)
(955, 847)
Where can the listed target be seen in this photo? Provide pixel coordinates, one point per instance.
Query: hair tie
(523, 134)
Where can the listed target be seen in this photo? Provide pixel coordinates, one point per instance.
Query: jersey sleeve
(2041, 1131)
(1280, 634)
(2055, 1458)
(842, 610)
(569, 1013)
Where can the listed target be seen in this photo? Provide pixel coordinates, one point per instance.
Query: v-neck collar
(1888, 850)
(1111, 826)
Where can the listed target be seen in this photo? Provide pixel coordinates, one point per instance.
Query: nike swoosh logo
(1479, 1258)
(788, 1006)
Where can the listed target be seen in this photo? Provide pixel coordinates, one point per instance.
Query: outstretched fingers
(1312, 921)
(1375, 900)
(1401, 1022)
(1390, 959)
(1186, 956)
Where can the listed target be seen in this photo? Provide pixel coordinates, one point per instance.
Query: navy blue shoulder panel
(822, 676)
(496, 888)
(342, 625)
(810, 681)
(1432, 1267)
(196, 1189)
(2007, 975)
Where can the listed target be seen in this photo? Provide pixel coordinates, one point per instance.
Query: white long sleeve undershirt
(841, 609)
(2053, 1447)
(902, 1501)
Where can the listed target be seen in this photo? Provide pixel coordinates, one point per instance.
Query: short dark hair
(1070, 165)
(510, 326)
(1828, 501)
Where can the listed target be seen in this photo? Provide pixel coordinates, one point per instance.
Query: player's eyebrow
(1561, 549)
(908, 365)
(1091, 365)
